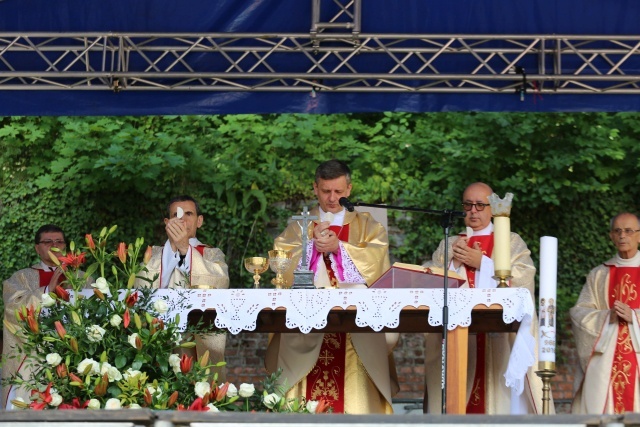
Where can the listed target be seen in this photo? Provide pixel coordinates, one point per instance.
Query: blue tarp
(572, 17)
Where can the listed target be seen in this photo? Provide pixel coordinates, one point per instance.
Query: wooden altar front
(412, 319)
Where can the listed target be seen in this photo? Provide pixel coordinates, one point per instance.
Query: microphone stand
(446, 222)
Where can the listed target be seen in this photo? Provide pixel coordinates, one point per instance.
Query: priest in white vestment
(488, 354)
(354, 373)
(607, 329)
(185, 262)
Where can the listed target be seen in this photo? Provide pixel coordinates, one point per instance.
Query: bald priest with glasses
(470, 256)
(606, 327)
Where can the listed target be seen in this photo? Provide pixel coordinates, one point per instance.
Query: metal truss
(342, 61)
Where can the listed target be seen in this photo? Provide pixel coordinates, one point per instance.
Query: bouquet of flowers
(110, 346)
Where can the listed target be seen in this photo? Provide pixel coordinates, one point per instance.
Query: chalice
(256, 265)
(279, 261)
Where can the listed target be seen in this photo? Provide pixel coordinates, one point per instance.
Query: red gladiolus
(147, 397)
(197, 405)
(172, 399)
(77, 379)
(62, 332)
(185, 363)
(138, 343)
(61, 293)
(33, 323)
(101, 388)
(323, 406)
(72, 260)
(221, 392)
(147, 254)
(75, 404)
(122, 252)
(61, 370)
(126, 318)
(41, 399)
(90, 243)
(131, 300)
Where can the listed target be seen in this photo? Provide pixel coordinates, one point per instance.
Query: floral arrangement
(110, 347)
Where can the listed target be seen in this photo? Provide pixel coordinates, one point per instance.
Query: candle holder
(503, 277)
(546, 371)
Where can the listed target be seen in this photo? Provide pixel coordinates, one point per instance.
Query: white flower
(134, 406)
(160, 306)
(56, 399)
(111, 371)
(94, 404)
(131, 373)
(246, 390)
(95, 367)
(232, 391)
(47, 301)
(312, 405)
(101, 285)
(113, 403)
(270, 400)
(132, 339)
(54, 359)
(115, 320)
(95, 333)
(152, 390)
(174, 362)
(212, 408)
(201, 388)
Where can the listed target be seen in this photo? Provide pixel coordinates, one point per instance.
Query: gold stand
(547, 370)
(503, 276)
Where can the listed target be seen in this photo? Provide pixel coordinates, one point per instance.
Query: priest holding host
(470, 256)
(185, 262)
(354, 373)
(606, 327)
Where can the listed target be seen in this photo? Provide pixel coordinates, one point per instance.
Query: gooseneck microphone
(344, 202)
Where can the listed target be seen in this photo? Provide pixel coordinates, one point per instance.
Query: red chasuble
(623, 286)
(476, 403)
(326, 379)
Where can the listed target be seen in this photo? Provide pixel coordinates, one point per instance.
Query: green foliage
(569, 173)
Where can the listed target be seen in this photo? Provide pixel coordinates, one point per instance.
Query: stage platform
(146, 418)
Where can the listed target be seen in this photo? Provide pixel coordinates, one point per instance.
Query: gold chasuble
(607, 345)
(353, 372)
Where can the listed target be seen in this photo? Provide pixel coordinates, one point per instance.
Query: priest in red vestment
(354, 373)
(26, 287)
(185, 262)
(471, 257)
(606, 327)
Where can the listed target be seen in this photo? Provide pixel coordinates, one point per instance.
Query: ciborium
(279, 261)
(256, 265)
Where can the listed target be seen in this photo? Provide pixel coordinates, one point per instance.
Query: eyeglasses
(479, 206)
(50, 242)
(624, 231)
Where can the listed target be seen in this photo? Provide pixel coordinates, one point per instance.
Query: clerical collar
(634, 261)
(485, 231)
(338, 217)
(46, 267)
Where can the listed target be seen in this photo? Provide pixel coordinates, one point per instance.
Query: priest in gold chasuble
(488, 354)
(606, 327)
(354, 373)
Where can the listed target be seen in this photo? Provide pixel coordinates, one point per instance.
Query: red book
(402, 275)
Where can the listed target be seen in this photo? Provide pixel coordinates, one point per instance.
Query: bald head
(478, 194)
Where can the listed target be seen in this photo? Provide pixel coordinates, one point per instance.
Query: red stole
(200, 248)
(623, 286)
(326, 379)
(46, 276)
(476, 403)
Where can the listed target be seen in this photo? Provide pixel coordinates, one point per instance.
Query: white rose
(56, 399)
(111, 371)
(151, 389)
(270, 400)
(54, 359)
(115, 320)
(94, 404)
(312, 405)
(131, 373)
(232, 391)
(134, 406)
(113, 403)
(132, 339)
(101, 285)
(47, 301)
(246, 390)
(95, 333)
(212, 408)
(95, 367)
(201, 388)
(174, 362)
(160, 306)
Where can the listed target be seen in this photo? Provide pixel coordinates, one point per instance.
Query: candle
(548, 299)
(502, 243)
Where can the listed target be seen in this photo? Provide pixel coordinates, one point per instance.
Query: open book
(402, 275)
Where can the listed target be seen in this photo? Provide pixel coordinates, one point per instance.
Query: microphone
(346, 204)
